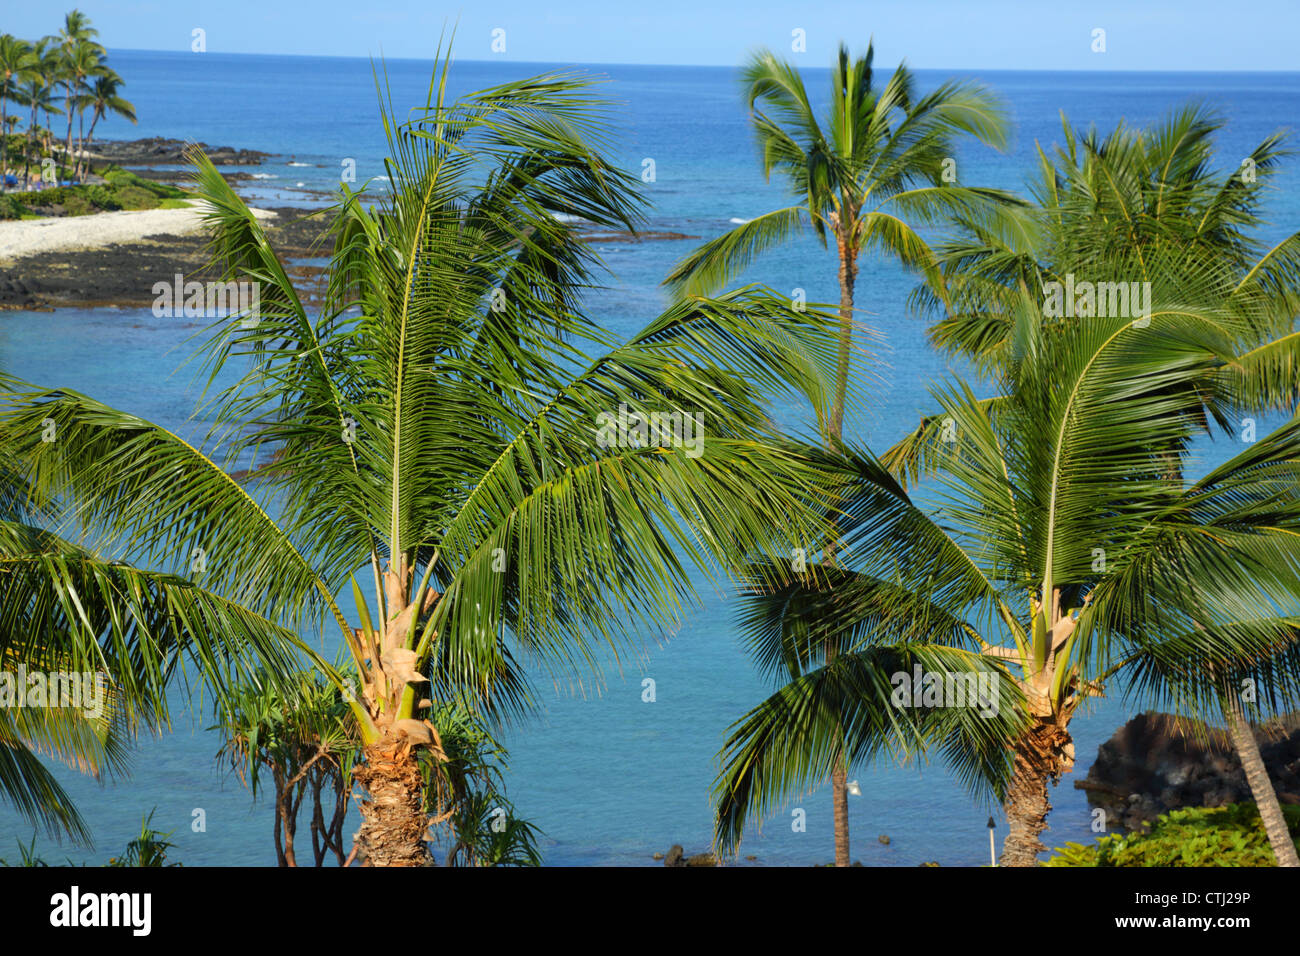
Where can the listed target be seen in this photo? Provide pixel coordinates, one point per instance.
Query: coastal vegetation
(1196, 836)
(1061, 502)
(70, 67)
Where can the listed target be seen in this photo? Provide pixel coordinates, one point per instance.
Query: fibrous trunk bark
(393, 821)
(848, 279)
(1252, 761)
(840, 794)
(1041, 756)
(835, 427)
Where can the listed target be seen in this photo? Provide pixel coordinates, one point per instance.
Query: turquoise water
(610, 779)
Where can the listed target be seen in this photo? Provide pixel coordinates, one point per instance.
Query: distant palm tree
(103, 99)
(80, 57)
(441, 430)
(38, 93)
(15, 60)
(879, 162)
(80, 63)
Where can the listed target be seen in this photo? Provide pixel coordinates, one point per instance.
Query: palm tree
(80, 61)
(839, 678)
(15, 59)
(1067, 528)
(38, 94)
(873, 167)
(1118, 207)
(441, 429)
(103, 99)
(80, 58)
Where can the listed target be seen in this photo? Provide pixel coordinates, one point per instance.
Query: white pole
(993, 856)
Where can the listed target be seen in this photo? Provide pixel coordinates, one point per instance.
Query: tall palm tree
(103, 99)
(38, 94)
(866, 175)
(1071, 532)
(1120, 207)
(80, 57)
(80, 61)
(839, 663)
(442, 430)
(15, 60)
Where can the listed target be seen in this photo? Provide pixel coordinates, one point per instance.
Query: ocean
(608, 778)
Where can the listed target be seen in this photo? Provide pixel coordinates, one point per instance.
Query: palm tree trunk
(81, 144)
(839, 790)
(393, 821)
(848, 279)
(1026, 808)
(835, 428)
(1041, 755)
(90, 135)
(840, 796)
(4, 142)
(1270, 811)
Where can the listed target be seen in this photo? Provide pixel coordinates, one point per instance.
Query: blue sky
(954, 34)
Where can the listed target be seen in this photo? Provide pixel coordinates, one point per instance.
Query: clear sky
(953, 34)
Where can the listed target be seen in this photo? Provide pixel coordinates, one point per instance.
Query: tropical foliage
(1138, 211)
(1196, 836)
(71, 66)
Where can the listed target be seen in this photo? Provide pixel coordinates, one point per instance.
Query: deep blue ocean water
(610, 779)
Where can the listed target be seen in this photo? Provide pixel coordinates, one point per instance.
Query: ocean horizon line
(497, 61)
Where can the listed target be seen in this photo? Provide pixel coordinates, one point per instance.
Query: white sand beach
(29, 237)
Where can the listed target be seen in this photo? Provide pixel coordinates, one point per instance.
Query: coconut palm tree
(80, 61)
(840, 669)
(456, 429)
(103, 99)
(38, 94)
(870, 172)
(1109, 200)
(1117, 208)
(1069, 529)
(15, 60)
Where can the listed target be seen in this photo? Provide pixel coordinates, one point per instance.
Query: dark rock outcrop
(1158, 762)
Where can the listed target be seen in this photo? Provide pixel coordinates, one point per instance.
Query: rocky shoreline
(159, 151)
(1156, 763)
(123, 274)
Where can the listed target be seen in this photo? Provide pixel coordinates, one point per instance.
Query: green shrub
(101, 197)
(1195, 836)
(47, 197)
(77, 205)
(11, 208)
(133, 197)
(117, 176)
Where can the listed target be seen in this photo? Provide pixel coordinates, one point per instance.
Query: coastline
(113, 258)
